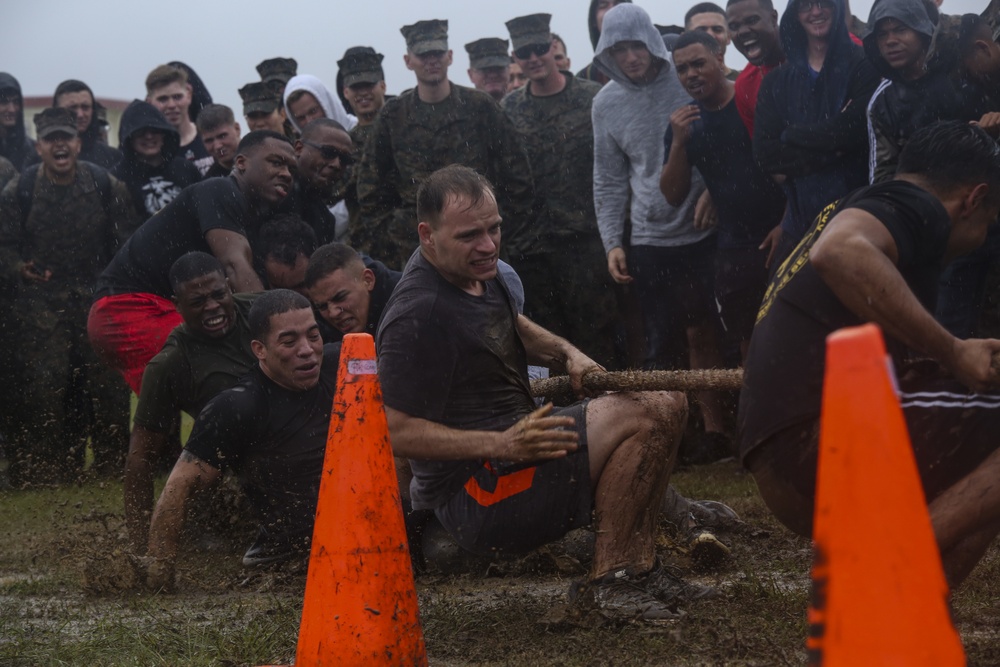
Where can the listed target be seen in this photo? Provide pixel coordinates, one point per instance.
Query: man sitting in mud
(208, 353)
(501, 475)
(270, 428)
(875, 256)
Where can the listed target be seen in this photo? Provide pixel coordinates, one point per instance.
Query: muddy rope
(558, 389)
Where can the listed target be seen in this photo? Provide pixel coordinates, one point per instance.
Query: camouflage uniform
(65, 395)
(7, 172)
(564, 269)
(361, 135)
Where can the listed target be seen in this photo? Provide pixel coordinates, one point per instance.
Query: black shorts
(519, 508)
(740, 283)
(678, 280)
(952, 431)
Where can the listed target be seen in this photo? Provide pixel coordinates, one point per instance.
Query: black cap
(426, 36)
(277, 69)
(55, 119)
(528, 30)
(488, 52)
(259, 97)
(361, 64)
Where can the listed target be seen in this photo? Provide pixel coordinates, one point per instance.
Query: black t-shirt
(747, 201)
(143, 263)
(274, 439)
(197, 153)
(783, 376)
(453, 358)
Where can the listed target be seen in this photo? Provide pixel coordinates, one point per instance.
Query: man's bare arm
(856, 257)
(189, 476)
(534, 437)
(544, 348)
(233, 250)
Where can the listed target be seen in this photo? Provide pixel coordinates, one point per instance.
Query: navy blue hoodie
(812, 127)
(151, 187)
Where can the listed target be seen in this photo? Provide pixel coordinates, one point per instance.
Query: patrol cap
(361, 64)
(259, 97)
(488, 52)
(425, 36)
(277, 69)
(55, 119)
(528, 30)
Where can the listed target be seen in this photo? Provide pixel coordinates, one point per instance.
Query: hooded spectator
(15, 145)
(323, 104)
(200, 97)
(151, 167)
(595, 21)
(79, 98)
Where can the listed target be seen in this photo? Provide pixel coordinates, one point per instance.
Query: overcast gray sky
(113, 44)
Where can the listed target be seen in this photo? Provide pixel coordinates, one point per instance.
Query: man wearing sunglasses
(435, 124)
(567, 289)
(324, 155)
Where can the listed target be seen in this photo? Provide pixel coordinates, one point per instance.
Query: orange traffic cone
(879, 594)
(360, 602)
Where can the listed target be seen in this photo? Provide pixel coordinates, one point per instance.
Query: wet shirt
(152, 188)
(197, 153)
(143, 264)
(783, 376)
(275, 440)
(191, 369)
(68, 229)
(452, 358)
(747, 201)
(558, 135)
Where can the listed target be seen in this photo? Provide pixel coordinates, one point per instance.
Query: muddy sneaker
(622, 596)
(713, 514)
(673, 590)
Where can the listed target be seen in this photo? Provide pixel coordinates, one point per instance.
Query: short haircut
(193, 265)
(257, 138)
(692, 37)
(71, 86)
(455, 180)
(214, 115)
(297, 95)
(164, 75)
(973, 28)
(767, 5)
(949, 154)
(314, 126)
(557, 38)
(271, 303)
(703, 8)
(285, 237)
(330, 258)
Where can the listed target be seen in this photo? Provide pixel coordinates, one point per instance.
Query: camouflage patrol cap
(361, 64)
(425, 36)
(259, 97)
(277, 69)
(528, 30)
(55, 119)
(488, 52)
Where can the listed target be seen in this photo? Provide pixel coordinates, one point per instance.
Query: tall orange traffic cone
(879, 593)
(360, 602)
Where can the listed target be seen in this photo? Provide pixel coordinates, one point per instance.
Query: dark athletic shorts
(678, 280)
(740, 283)
(521, 508)
(952, 431)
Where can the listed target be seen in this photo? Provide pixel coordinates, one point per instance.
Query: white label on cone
(362, 367)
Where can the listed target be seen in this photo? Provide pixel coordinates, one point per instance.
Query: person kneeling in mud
(270, 428)
(501, 475)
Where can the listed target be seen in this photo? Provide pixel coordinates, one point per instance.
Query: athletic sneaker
(266, 550)
(671, 589)
(624, 597)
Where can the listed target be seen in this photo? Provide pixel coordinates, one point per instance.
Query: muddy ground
(68, 597)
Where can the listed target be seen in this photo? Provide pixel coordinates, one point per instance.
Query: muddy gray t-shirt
(452, 358)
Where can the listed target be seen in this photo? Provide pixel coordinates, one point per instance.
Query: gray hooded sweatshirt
(630, 121)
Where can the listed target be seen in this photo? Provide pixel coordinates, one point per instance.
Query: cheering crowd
(656, 209)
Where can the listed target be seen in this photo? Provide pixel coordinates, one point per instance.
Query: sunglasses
(526, 52)
(331, 153)
(809, 5)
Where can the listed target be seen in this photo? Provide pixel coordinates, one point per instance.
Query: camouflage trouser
(568, 291)
(65, 395)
